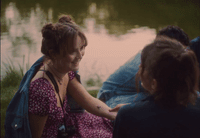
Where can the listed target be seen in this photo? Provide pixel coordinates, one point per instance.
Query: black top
(145, 119)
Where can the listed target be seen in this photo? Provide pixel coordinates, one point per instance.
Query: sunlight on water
(104, 54)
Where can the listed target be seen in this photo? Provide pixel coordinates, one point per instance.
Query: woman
(49, 110)
(169, 73)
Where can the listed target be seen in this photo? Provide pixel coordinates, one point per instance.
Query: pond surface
(116, 29)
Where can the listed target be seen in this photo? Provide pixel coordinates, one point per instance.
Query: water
(116, 30)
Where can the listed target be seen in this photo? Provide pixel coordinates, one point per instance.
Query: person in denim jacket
(120, 87)
(169, 72)
(195, 46)
(39, 110)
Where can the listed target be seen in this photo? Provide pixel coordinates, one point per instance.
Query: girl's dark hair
(174, 68)
(58, 37)
(175, 32)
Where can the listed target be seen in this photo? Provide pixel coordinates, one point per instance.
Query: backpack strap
(57, 90)
(53, 81)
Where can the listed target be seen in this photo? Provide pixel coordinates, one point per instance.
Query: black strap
(78, 77)
(53, 81)
(57, 90)
(55, 85)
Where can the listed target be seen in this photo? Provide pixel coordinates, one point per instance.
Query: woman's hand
(86, 101)
(117, 107)
(114, 115)
(111, 114)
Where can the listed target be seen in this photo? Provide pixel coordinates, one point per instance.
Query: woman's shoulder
(41, 97)
(40, 85)
(40, 81)
(138, 108)
(39, 74)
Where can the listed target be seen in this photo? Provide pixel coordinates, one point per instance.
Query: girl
(169, 73)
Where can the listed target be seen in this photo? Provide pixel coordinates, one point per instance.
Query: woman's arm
(117, 107)
(37, 124)
(38, 107)
(91, 104)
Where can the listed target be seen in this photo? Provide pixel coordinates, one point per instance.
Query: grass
(94, 93)
(6, 96)
(9, 85)
(11, 81)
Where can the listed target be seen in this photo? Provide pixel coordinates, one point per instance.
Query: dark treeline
(121, 15)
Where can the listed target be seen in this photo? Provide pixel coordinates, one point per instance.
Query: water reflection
(105, 52)
(23, 34)
(116, 30)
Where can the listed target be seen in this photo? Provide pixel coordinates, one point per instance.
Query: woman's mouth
(76, 63)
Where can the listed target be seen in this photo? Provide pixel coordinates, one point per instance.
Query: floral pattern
(42, 101)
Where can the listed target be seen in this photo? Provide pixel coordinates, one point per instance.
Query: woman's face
(70, 62)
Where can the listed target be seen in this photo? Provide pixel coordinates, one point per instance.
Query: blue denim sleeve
(124, 77)
(16, 121)
(120, 86)
(195, 46)
(197, 104)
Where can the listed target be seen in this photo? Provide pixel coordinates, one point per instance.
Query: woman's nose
(80, 55)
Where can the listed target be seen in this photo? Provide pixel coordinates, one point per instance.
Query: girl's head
(175, 32)
(169, 72)
(63, 43)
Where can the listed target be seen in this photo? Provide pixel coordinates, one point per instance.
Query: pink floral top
(42, 101)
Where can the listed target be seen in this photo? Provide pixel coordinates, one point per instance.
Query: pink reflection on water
(104, 54)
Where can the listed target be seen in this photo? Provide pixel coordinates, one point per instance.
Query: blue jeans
(120, 86)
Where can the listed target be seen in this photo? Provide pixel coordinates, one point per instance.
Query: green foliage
(94, 93)
(94, 81)
(6, 96)
(90, 82)
(12, 76)
(9, 85)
